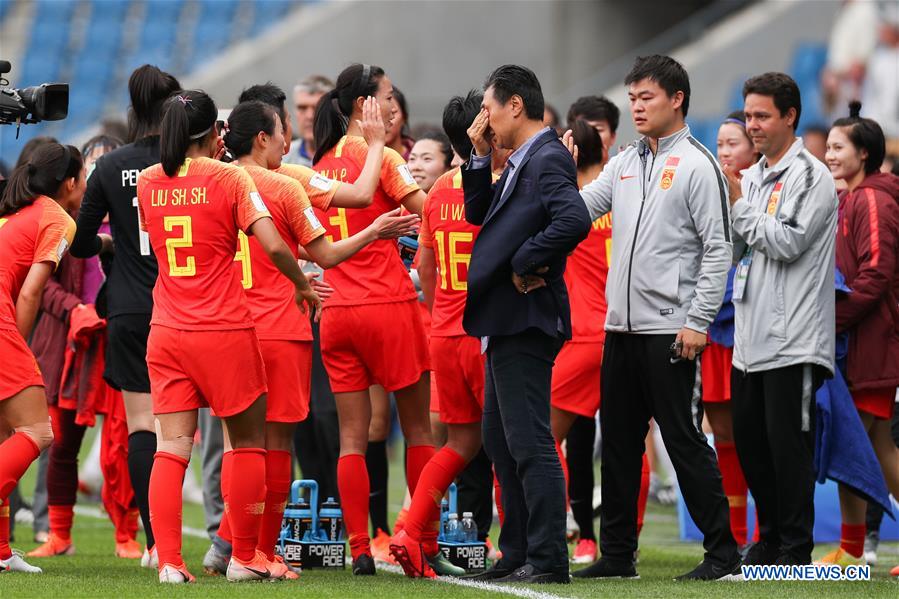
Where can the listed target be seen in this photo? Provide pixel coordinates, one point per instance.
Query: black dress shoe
(529, 574)
(496, 571)
(606, 568)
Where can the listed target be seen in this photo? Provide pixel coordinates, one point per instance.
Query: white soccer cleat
(16, 563)
(150, 559)
(259, 568)
(170, 574)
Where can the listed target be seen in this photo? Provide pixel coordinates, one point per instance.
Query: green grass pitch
(95, 572)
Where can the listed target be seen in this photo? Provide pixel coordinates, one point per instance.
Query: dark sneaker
(709, 571)
(443, 567)
(531, 575)
(606, 568)
(498, 570)
(364, 565)
(762, 553)
(788, 559)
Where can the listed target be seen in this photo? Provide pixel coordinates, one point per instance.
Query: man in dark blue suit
(531, 219)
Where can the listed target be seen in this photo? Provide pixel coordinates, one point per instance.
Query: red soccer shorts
(459, 369)
(575, 385)
(194, 369)
(716, 362)
(880, 403)
(382, 344)
(288, 371)
(435, 398)
(19, 368)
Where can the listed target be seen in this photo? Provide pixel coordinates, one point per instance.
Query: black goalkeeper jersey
(112, 189)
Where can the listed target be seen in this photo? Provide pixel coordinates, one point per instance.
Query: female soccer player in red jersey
(735, 151)
(203, 349)
(35, 232)
(446, 241)
(372, 331)
(255, 137)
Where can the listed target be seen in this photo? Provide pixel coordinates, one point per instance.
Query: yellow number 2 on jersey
(185, 241)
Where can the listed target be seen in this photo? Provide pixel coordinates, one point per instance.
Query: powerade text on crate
(312, 538)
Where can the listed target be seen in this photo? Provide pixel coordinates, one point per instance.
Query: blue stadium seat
(5, 5)
(805, 68)
(266, 13)
(53, 11)
(37, 68)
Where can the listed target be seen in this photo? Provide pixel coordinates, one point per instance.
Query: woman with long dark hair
(203, 349)
(73, 289)
(255, 137)
(867, 237)
(372, 330)
(112, 192)
(35, 232)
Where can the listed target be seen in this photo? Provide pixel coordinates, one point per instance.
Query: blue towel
(721, 331)
(843, 451)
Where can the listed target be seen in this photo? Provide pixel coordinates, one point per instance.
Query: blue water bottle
(444, 516)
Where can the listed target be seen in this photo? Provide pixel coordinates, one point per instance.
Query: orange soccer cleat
(54, 546)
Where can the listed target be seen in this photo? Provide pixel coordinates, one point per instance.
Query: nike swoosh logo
(623, 177)
(263, 573)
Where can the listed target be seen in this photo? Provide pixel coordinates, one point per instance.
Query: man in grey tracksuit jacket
(785, 233)
(671, 250)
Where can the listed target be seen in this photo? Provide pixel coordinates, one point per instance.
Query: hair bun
(855, 109)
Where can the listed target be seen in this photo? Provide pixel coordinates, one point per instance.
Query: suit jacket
(536, 221)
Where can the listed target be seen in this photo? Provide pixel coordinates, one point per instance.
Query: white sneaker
(215, 563)
(16, 563)
(170, 574)
(149, 559)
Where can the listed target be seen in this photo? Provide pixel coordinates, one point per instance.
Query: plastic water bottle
(444, 516)
(468, 529)
(453, 529)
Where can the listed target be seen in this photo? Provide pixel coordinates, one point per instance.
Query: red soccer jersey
(318, 187)
(445, 230)
(40, 232)
(375, 274)
(271, 294)
(193, 219)
(585, 277)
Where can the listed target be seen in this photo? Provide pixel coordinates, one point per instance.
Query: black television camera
(44, 102)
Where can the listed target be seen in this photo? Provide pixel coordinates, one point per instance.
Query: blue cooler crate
(472, 556)
(312, 538)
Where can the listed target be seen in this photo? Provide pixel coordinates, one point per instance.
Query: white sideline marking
(481, 586)
(98, 513)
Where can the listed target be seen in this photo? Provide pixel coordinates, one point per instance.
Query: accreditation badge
(668, 172)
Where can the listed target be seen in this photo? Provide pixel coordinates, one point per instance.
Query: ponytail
(42, 174)
(335, 108)
(148, 87)
(189, 118)
(865, 134)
